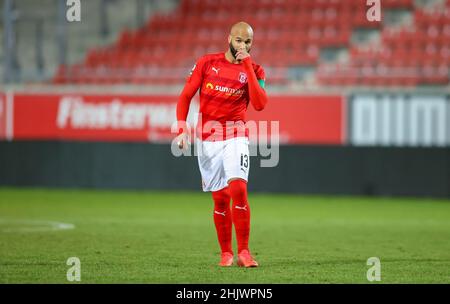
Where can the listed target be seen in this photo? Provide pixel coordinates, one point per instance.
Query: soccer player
(227, 82)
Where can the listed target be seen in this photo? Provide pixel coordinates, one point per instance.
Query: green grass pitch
(169, 237)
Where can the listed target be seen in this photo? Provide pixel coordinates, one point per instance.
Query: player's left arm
(258, 96)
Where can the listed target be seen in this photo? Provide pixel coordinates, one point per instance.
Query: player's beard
(233, 50)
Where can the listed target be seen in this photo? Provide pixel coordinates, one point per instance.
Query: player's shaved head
(242, 29)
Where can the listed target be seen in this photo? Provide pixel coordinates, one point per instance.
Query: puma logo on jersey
(216, 70)
(242, 208)
(220, 213)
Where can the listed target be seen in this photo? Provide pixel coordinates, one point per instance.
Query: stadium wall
(359, 143)
(301, 169)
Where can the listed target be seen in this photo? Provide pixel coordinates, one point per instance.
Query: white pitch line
(33, 226)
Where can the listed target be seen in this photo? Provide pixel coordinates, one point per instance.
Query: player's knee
(237, 184)
(238, 190)
(221, 197)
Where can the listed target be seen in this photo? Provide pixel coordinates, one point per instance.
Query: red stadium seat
(288, 34)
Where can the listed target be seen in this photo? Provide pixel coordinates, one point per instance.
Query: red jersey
(224, 95)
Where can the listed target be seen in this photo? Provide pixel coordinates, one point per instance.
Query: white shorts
(220, 161)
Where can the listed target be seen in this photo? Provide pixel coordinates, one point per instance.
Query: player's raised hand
(183, 141)
(241, 55)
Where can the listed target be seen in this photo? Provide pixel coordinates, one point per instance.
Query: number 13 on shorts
(244, 161)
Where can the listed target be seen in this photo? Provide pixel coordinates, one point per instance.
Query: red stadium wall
(3, 116)
(411, 120)
(306, 119)
(93, 117)
(148, 118)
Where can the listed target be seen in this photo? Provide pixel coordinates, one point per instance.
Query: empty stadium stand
(416, 54)
(288, 35)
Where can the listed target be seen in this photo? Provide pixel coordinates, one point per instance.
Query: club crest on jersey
(242, 77)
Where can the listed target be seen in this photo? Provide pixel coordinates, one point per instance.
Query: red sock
(240, 212)
(222, 219)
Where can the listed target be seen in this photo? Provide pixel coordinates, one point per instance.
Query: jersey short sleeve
(196, 73)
